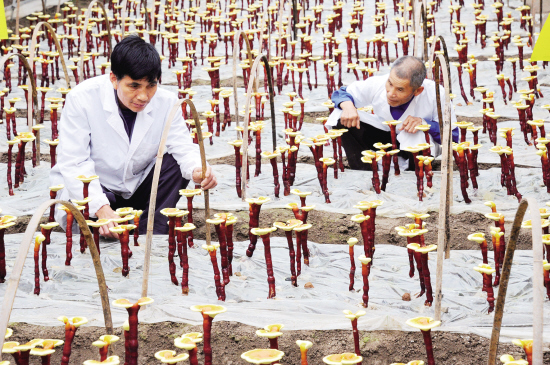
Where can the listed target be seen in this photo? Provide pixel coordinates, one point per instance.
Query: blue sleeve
(340, 96)
(434, 132)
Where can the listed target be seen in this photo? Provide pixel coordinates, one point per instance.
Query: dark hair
(135, 58)
(410, 68)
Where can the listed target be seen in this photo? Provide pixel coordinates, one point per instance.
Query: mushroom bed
(72, 290)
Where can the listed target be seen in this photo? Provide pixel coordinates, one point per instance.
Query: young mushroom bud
(304, 347)
(271, 332)
(425, 324)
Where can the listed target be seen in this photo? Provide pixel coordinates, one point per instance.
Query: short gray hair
(410, 68)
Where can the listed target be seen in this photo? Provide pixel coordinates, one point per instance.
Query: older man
(404, 94)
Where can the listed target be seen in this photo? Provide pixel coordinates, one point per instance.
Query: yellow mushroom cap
(341, 359)
(49, 225)
(185, 343)
(509, 360)
(98, 223)
(194, 336)
(417, 215)
(477, 237)
(303, 227)
(258, 201)
(9, 347)
(41, 352)
(9, 333)
(87, 179)
(262, 231)
(56, 187)
(364, 260)
(111, 360)
(29, 345)
(125, 303)
(350, 315)
(485, 269)
(211, 310)
(76, 321)
(301, 194)
(352, 241)
(121, 228)
(262, 356)
(186, 227)
(423, 323)
(190, 192)
(494, 216)
(170, 212)
(304, 345)
(286, 226)
(523, 343)
(170, 357)
(359, 218)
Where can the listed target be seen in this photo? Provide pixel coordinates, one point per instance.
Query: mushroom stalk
(365, 272)
(69, 235)
(207, 329)
(352, 268)
(429, 347)
(269, 266)
(70, 331)
(356, 336)
(254, 214)
(38, 240)
(220, 289)
(131, 355)
(292, 254)
(222, 234)
(2, 256)
(171, 249)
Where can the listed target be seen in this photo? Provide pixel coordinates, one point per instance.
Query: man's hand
(349, 117)
(409, 125)
(209, 181)
(105, 212)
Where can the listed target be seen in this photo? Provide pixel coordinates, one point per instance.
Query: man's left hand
(409, 125)
(209, 181)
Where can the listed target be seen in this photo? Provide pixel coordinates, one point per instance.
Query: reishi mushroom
(71, 326)
(425, 324)
(262, 356)
(304, 347)
(264, 234)
(353, 317)
(208, 312)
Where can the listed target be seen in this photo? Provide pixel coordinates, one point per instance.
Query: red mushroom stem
(10, 186)
(69, 235)
(269, 266)
(190, 220)
(394, 146)
(221, 232)
(429, 346)
(254, 214)
(220, 289)
(131, 341)
(365, 272)
(207, 329)
(70, 331)
(275, 176)
(171, 249)
(37, 267)
(356, 336)
(487, 278)
(427, 280)
(292, 255)
(352, 268)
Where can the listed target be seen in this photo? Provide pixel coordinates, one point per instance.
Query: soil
(28, 156)
(230, 339)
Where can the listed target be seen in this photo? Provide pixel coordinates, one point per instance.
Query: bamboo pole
(538, 292)
(443, 233)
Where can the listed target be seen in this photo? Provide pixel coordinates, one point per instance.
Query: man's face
(399, 91)
(134, 94)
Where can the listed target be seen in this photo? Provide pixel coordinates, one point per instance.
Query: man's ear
(113, 80)
(416, 92)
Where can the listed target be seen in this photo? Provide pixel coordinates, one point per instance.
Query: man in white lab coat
(405, 95)
(111, 126)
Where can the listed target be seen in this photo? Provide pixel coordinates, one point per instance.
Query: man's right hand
(105, 212)
(349, 117)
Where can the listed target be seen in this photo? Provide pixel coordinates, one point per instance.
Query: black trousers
(170, 183)
(356, 140)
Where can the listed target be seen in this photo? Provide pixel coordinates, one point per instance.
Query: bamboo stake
(251, 83)
(538, 292)
(13, 281)
(446, 181)
(155, 183)
(83, 36)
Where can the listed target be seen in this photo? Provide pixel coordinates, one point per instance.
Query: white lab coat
(372, 92)
(93, 141)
